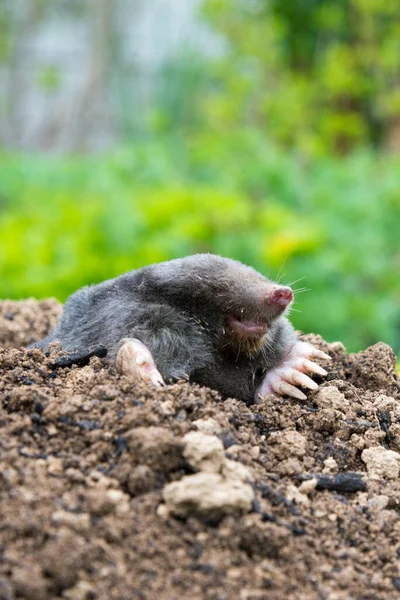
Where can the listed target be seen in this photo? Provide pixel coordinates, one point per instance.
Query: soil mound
(114, 490)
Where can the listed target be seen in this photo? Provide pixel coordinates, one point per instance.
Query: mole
(207, 319)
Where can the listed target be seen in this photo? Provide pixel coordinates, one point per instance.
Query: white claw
(157, 380)
(312, 367)
(292, 372)
(307, 350)
(282, 387)
(299, 378)
(319, 354)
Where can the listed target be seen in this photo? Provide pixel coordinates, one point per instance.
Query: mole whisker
(296, 281)
(280, 272)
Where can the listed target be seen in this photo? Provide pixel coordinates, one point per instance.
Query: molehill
(112, 490)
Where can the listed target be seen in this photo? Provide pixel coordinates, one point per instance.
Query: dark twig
(348, 481)
(67, 360)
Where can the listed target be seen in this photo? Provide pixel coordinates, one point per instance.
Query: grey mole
(206, 318)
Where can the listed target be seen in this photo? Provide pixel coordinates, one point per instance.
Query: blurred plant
(177, 102)
(323, 75)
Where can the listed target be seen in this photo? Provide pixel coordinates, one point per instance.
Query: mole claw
(157, 380)
(282, 387)
(312, 367)
(306, 350)
(299, 378)
(320, 354)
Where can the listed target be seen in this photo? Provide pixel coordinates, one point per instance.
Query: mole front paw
(135, 359)
(291, 372)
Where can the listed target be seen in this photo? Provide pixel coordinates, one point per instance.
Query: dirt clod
(203, 452)
(208, 494)
(381, 463)
(111, 490)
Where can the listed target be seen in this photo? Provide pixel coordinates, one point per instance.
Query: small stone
(52, 430)
(208, 494)
(330, 465)
(140, 480)
(54, 465)
(209, 426)
(293, 494)
(333, 517)
(167, 408)
(162, 511)
(308, 486)
(381, 463)
(203, 452)
(255, 452)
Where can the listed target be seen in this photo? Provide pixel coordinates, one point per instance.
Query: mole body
(211, 320)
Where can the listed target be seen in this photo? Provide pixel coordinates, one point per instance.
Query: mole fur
(205, 318)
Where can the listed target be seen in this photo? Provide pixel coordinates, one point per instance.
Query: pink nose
(281, 295)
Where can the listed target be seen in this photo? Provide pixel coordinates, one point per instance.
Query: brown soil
(86, 457)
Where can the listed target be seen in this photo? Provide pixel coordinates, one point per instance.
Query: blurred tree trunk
(19, 25)
(89, 113)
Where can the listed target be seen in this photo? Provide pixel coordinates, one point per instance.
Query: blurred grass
(67, 222)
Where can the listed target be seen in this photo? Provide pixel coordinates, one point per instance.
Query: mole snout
(282, 295)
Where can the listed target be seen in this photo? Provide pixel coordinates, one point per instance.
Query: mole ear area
(168, 279)
(196, 278)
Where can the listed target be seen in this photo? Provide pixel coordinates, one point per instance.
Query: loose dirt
(106, 493)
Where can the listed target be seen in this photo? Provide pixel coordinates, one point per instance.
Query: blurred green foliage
(332, 223)
(322, 75)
